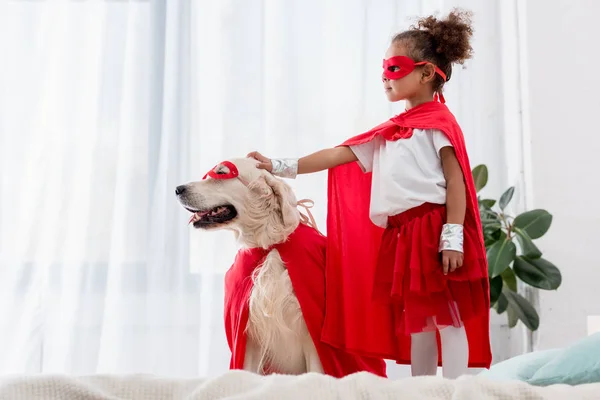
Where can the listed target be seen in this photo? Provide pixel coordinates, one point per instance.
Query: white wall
(564, 99)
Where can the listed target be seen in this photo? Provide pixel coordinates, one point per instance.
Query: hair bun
(451, 36)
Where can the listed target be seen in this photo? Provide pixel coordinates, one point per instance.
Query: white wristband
(452, 237)
(285, 167)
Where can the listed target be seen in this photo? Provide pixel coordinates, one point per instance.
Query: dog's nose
(179, 190)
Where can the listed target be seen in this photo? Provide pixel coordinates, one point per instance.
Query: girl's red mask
(400, 66)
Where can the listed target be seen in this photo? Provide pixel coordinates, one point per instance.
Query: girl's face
(408, 87)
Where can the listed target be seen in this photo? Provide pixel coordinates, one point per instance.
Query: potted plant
(512, 255)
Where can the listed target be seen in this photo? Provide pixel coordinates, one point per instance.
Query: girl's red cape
(353, 321)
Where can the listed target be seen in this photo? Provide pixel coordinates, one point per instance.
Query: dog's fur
(277, 335)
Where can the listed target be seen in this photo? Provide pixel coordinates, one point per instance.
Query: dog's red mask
(233, 171)
(398, 67)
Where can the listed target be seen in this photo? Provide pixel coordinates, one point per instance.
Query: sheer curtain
(106, 106)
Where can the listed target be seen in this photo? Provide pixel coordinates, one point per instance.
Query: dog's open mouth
(214, 216)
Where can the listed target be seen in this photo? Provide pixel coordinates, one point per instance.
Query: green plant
(509, 261)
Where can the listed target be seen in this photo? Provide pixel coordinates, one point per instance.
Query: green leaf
(489, 215)
(506, 197)
(502, 304)
(491, 223)
(491, 230)
(500, 235)
(528, 248)
(489, 242)
(512, 317)
(488, 203)
(500, 255)
(535, 223)
(523, 309)
(491, 237)
(538, 273)
(495, 289)
(480, 176)
(492, 227)
(509, 278)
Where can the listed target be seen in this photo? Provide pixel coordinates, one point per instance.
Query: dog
(262, 212)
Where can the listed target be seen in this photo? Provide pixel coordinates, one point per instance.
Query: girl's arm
(319, 161)
(456, 192)
(456, 204)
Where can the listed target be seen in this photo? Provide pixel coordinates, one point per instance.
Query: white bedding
(243, 385)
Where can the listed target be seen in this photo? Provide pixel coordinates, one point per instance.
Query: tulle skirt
(410, 275)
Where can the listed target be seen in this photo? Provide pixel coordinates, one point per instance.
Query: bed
(571, 373)
(245, 385)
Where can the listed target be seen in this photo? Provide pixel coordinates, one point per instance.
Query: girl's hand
(451, 260)
(263, 162)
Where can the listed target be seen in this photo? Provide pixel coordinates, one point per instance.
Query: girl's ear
(428, 73)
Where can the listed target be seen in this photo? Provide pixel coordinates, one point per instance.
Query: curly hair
(441, 41)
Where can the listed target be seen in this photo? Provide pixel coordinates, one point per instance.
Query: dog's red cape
(353, 320)
(304, 256)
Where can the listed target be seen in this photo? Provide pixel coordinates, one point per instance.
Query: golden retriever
(261, 210)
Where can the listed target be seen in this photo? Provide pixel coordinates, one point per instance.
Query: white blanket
(243, 385)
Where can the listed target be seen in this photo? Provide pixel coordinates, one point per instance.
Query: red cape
(304, 256)
(353, 321)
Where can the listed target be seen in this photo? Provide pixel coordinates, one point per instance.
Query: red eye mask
(400, 66)
(232, 174)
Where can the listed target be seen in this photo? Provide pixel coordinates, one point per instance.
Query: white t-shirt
(406, 172)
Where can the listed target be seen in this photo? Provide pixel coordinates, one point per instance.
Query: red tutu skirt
(410, 275)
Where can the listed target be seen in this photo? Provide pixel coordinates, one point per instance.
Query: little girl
(406, 262)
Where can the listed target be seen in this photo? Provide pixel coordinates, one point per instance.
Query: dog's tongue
(196, 216)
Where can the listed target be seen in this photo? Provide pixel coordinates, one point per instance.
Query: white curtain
(106, 106)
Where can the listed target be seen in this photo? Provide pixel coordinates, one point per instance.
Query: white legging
(455, 352)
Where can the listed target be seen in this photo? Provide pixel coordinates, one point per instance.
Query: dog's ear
(270, 212)
(285, 199)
